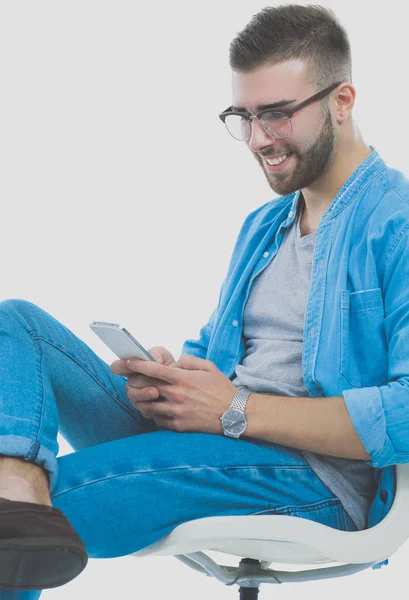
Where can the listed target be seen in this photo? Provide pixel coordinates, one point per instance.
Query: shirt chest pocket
(364, 351)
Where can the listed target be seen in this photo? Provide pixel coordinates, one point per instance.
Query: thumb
(162, 355)
(194, 363)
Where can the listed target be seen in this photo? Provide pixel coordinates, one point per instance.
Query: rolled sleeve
(380, 415)
(367, 413)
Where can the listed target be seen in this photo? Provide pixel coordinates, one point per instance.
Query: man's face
(313, 141)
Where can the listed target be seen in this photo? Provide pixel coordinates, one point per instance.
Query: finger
(151, 390)
(165, 423)
(143, 394)
(154, 409)
(143, 381)
(194, 363)
(119, 367)
(154, 369)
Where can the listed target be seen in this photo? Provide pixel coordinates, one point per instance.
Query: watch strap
(240, 399)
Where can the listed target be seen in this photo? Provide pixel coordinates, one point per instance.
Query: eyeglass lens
(274, 123)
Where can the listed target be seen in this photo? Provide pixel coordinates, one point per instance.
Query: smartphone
(120, 341)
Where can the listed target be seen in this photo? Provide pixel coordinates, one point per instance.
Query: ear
(344, 102)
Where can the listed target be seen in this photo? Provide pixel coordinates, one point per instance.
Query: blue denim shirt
(356, 327)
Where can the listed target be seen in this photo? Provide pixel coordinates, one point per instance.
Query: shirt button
(266, 254)
(235, 323)
(312, 331)
(290, 214)
(320, 263)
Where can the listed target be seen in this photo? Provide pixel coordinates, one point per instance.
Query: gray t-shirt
(273, 324)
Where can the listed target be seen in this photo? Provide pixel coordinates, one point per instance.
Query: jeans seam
(37, 421)
(36, 337)
(342, 519)
(290, 508)
(309, 507)
(261, 466)
(186, 467)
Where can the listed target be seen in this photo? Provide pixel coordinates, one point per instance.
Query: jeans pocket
(327, 512)
(363, 345)
(347, 522)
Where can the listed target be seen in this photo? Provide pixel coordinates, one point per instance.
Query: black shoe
(38, 547)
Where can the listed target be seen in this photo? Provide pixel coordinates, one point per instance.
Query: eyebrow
(264, 106)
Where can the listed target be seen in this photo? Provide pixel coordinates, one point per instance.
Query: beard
(313, 163)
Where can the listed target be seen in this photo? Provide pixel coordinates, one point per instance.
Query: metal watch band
(240, 399)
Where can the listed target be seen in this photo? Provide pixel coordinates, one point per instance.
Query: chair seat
(273, 538)
(292, 540)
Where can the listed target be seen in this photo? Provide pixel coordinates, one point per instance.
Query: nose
(259, 137)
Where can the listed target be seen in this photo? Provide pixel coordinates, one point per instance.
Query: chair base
(248, 593)
(251, 572)
(245, 592)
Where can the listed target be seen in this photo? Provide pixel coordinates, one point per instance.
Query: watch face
(234, 421)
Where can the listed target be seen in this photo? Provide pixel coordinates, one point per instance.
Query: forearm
(320, 425)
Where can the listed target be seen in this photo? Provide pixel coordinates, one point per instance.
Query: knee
(16, 306)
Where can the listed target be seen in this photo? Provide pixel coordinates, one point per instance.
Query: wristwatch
(233, 421)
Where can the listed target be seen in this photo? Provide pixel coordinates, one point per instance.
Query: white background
(113, 211)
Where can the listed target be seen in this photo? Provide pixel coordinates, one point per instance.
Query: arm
(381, 413)
(199, 347)
(320, 425)
(370, 423)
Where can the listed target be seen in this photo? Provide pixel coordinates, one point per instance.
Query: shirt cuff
(366, 411)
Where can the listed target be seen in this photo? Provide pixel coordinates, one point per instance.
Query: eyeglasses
(277, 124)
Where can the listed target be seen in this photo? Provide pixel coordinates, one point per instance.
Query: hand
(194, 393)
(159, 353)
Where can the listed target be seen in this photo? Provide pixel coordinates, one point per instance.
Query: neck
(350, 153)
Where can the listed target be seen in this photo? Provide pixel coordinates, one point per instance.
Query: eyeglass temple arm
(290, 113)
(314, 98)
(226, 111)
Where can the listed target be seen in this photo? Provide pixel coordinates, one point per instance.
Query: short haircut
(310, 33)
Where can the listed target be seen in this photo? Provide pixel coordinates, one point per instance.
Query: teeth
(277, 161)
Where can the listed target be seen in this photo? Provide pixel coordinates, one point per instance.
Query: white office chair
(288, 540)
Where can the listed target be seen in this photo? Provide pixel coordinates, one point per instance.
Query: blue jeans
(121, 490)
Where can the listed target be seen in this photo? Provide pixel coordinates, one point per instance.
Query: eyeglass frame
(288, 113)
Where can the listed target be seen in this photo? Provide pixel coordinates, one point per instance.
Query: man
(353, 212)
(294, 398)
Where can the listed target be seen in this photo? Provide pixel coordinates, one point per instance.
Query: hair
(311, 33)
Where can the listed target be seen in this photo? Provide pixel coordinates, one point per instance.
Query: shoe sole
(39, 563)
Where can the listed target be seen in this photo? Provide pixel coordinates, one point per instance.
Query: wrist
(255, 415)
(234, 420)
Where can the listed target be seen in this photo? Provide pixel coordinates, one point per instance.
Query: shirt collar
(372, 165)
